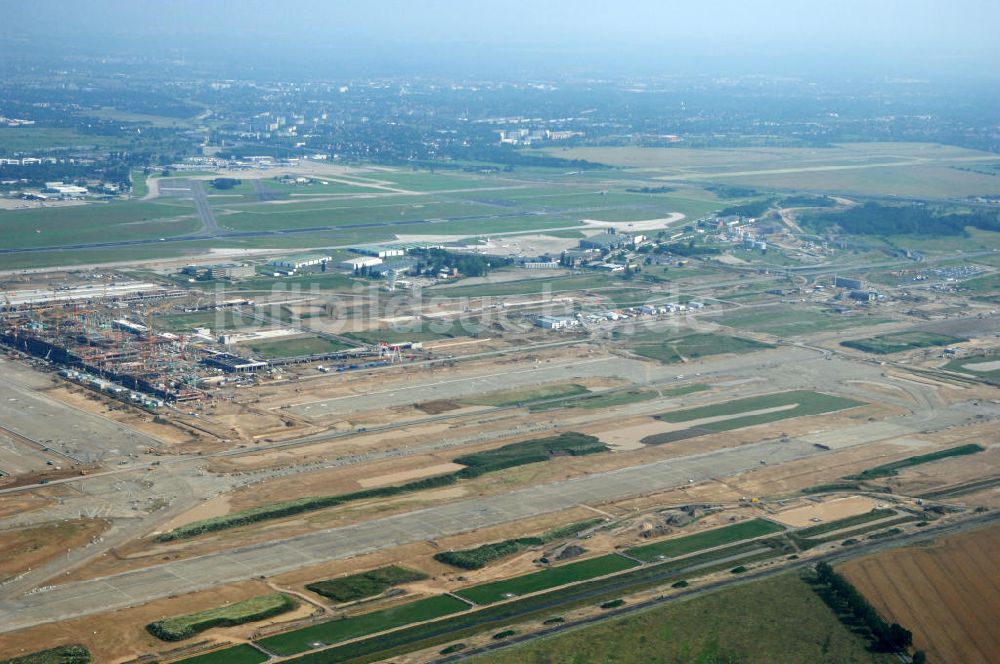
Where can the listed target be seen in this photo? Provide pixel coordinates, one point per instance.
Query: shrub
(257, 608)
(72, 654)
(366, 584)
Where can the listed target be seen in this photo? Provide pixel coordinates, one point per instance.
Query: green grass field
(420, 331)
(680, 546)
(29, 139)
(215, 320)
(527, 395)
(694, 346)
(551, 577)
(877, 169)
(293, 347)
(779, 619)
(178, 628)
(804, 402)
(335, 631)
(241, 654)
(785, 321)
(891, 469)
(616, 398)
(886, 344)
(95, 222)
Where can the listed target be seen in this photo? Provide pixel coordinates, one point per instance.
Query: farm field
(680, 546)
(774, 620)
(945, 593)
(335, 631)
(547, 578)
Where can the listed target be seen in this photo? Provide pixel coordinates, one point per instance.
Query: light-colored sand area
(406, 475)
(830, 510)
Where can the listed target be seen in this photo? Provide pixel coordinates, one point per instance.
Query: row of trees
(845, 599)
(885, 220)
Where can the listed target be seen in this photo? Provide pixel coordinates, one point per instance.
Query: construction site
(174, 449)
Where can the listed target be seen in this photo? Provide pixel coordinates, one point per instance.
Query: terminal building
(299, 262)
(231, 271)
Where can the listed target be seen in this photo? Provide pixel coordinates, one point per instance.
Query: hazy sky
(896, 37)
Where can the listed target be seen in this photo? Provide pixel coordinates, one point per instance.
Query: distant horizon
(442, 37)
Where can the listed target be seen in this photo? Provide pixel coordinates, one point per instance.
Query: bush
(613, 604)
(73, 654)
(257, 608)
(679, 584)
(453, 648)
(366, 584)
(480, 556)
(738, 570)
(504, 634)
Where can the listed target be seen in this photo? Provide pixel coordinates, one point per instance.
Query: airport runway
(266, 559)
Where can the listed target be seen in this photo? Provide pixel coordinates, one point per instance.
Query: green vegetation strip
(891, 469)
(516, 397)
(705, 540)
(508, 456)
(855, 611)
(335, 631)
(366, 584)
(616, 398)
(257, 608)
(59, 655)
(482, 555)
(896, 343)
(241, 654)
(545, 579)
(499, 615)
(804, 402)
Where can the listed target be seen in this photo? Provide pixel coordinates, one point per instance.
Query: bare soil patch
(438, 406)
(27, 548)
(829, 510)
